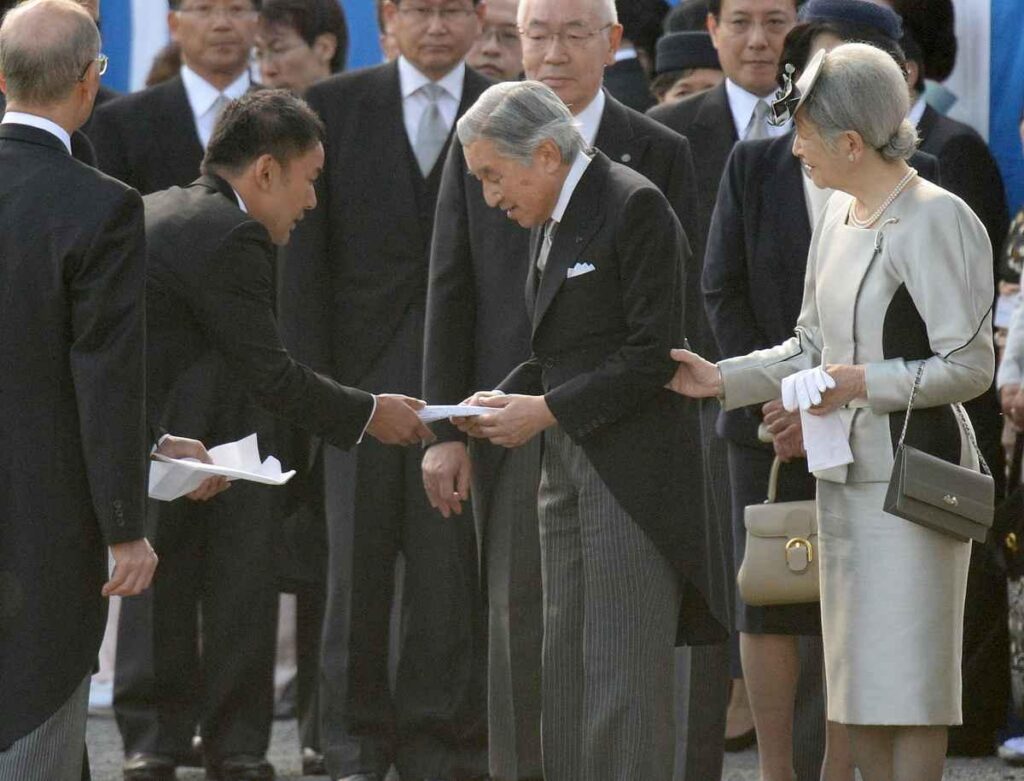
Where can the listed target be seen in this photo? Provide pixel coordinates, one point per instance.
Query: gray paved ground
(105, 755)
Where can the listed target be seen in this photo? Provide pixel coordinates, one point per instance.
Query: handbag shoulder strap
(773, 481)
(958, 410)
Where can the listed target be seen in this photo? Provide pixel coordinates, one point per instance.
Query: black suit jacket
(210, 290)
(970, 171)
(359, 261)
(599, 355)
(148, 139)
(81, 146)
(628, 82)
(477, 329)
(72, 426)
(705, 119)
(756, 257)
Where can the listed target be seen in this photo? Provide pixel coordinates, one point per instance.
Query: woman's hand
(695, 377)
(786, 431)
(851, 384)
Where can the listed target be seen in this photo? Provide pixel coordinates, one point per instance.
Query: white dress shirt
(588, 121)
(203, 98)
(742, 105)
(40, 123)
(415, 103)
(579, 167)
(917, 111)
(625, 53)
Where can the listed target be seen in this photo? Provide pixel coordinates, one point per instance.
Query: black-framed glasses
(102, 61)
(573, 36)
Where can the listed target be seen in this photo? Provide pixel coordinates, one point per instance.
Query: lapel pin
(626, 157)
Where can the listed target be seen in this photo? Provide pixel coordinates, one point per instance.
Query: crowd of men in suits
(311, 269)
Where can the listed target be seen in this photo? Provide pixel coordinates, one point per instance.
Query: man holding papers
(210, 300)
(624, 566)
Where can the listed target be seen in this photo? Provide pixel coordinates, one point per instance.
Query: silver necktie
(758, 126)
(545, 245)
(432, 133)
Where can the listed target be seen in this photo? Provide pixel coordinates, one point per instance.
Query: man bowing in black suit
(476, 333)
(352, 301)
(72, 422)
(623, 552)
(210, 292)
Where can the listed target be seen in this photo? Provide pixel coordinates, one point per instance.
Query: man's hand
(180, 447)
(695, 377)
(786, 430)
(394, 422)
(134, 565)
(470, 426)
(518, 419)
(851, 383)
(446, 477)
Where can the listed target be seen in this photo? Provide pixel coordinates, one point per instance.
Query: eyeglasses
(573, 37)
(101, 66)
(775, 26)
(507, 36)
(423, 15)
(274, 51)
(206, 11)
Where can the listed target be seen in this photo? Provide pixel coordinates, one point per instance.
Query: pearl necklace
(873, 218)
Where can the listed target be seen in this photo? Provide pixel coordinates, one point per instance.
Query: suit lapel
(581, 220)
(715, 119)
(533, 275)
(175, 132)
(616, 136)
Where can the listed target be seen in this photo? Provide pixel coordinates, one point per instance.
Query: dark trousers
(216, 581)
(510, 532)
(433, 724)
(310, 601)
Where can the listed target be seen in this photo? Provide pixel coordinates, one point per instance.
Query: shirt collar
(411, 79)
(742, 105)
(202, 95)
(588, 121)
(579, 167)
(917, 111)
(625, 53)
(241, 203)
(40, 123)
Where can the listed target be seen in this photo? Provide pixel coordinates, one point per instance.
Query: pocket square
(580, 269)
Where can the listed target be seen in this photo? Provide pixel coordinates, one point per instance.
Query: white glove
(803, 390)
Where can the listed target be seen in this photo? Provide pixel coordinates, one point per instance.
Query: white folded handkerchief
(580, 269)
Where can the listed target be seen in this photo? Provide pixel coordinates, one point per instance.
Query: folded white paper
(172, 478)
(434, 412)
(825, 440)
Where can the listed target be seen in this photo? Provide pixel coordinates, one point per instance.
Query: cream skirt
(892, 611)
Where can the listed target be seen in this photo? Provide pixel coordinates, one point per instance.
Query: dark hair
(271, 122)
(688, 16)
(166, 65)
(715, 6)
(932, 25)
(641, 22)
(663, 82)
(174, 5)
(310, 19)
(797, 47)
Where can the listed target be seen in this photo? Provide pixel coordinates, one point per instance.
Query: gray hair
(606, 10)
(45, 45)
(517, 116)
(861, 88)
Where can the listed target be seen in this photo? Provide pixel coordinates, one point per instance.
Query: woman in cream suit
(898, 274)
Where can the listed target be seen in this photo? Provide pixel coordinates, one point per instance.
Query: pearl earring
(851, 157)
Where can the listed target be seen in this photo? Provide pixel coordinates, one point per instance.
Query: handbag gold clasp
(1011, 542)
(794, 560)
(950, 500)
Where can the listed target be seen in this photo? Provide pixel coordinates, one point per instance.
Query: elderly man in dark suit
(352, 300)
(476, 333)
(748, 35)
(622, 530)
(71, 393)
(210, 290)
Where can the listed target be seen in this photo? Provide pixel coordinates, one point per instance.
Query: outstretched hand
(395, 421)
(695, 377)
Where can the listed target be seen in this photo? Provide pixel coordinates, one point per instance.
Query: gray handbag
(780, 562)
(934, 493)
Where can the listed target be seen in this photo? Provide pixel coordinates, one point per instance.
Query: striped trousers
(611, 603)
(54, 750)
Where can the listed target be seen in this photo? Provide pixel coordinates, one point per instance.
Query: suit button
(626, 158)
(548, 363)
